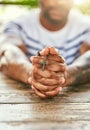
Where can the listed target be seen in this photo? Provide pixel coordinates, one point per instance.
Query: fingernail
(32, 87)
(30, 80)
(60, 88)
(45, 51)
(62, 81)
(31, 58)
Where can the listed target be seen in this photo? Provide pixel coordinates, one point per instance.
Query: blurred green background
(30, 3)
(84, 7)
(10, 9)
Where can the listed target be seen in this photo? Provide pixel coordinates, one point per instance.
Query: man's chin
(55, 21)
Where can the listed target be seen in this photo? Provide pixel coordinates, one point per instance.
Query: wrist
(26, 73)
(70, 75)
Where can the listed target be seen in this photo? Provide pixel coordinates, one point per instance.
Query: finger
(38, 71)
(34, 59)
(53, 66)
(56, 67)
(37, 60)
(29, 80)
(57, 58)
(38, 93)
(53, 81)
(37, 77)
(38, 65)
(50, 59)
(38, 74)
(53, 51)
(49, 82)
(62, 80)
(54, 92)
(39, 86)
(45, 51)
(43, 87)
(45, 73)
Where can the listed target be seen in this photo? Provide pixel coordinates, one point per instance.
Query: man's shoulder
(79, 24)
(78, 19)
(30, 17)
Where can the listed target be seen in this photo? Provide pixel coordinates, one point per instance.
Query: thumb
(45, 51)
(53, 51)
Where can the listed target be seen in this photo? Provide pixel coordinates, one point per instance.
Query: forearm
(79, 71)
(14, 63)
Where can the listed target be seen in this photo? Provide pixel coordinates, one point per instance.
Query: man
(55, 25)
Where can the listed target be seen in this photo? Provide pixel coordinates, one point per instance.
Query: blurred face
(56, 11)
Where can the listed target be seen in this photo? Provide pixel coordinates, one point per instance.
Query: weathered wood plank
(40, 112)
(17, 92)
(72, 125)
(30, 97)
(20, 109)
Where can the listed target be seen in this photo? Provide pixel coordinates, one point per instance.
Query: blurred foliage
(30, 3)
(84, 8)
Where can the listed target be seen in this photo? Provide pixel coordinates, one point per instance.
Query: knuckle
(45, 88)
(63, 68)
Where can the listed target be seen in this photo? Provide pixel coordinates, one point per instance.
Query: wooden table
(21, 109)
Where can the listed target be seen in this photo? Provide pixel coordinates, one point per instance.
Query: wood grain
(69, 125)
(20, 108)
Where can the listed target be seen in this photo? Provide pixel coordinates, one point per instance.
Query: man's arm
(84, 48)
(76, 74)
(14, 63)
(79, 71)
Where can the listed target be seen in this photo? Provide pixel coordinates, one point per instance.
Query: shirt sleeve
(87, 37)
(87, 34)
(13, 30)
(11, 34)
